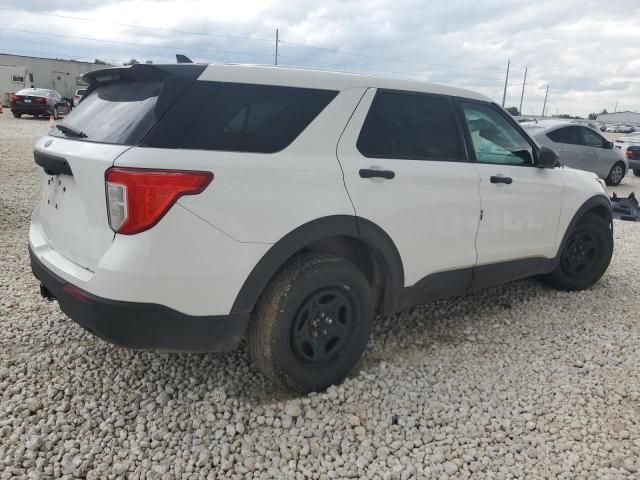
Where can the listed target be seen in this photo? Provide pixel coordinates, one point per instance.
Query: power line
(294, 44)
(129, 25)
(169, 47)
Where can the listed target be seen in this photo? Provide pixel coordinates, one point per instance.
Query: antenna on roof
(183, 58)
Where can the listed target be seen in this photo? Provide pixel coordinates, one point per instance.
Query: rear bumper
(141, 325)
(30, 109)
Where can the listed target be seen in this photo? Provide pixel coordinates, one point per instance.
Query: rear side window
(118, 113)
(239, 117)
(410, 126)
(568, 135)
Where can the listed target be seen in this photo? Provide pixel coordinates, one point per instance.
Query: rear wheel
(312, 323)
(636, 172)
(615, 175)
(55, 113)
(17, 115)
(585, 256)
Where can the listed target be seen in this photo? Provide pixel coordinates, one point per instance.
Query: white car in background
(581, 147)
(78, 96)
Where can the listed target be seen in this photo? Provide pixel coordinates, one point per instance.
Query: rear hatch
(120, 106)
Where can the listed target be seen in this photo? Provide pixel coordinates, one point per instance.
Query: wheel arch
(355, 238)
(599, 205)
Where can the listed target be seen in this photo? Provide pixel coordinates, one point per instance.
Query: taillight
(15, 98)
(137, 198)
(40, 100)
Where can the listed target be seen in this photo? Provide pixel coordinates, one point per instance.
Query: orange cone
(51, 121)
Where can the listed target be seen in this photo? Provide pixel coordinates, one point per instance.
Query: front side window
(410, 126)
(494, 139)
(567, 135)
(591, 138)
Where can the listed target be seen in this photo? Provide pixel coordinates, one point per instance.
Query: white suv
(191, 207)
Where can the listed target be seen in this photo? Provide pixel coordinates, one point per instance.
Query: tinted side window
(569, 135)
(411, 126)
(239, 117)
(591, 138)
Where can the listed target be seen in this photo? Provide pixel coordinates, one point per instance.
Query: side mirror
(547, 158)
(608, 145)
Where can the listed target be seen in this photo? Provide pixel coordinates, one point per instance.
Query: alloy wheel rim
(616, 174)
(322, 325)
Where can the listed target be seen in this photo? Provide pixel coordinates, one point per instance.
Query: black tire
(312, 323)
(616, 174)
(585, 256)
(56, 116)
(17, 115)
(636, 172)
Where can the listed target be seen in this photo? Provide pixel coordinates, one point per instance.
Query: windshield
(117, 113)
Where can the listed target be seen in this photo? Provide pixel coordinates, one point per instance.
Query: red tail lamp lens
(137, 198)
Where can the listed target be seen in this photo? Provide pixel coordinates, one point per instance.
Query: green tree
(97, 61)
(604, 112)
(149, 62)
(133, 61)
(513, 111)
(593, 116)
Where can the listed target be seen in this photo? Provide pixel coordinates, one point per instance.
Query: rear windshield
(117, 113)
(36, 92)
(80, 92)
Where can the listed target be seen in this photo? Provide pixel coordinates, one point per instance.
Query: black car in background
(633, 155)
(39, 102)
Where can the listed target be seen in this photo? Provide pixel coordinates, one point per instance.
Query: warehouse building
(631, 118)
(62, 76)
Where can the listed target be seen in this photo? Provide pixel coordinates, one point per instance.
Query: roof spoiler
(183, 58)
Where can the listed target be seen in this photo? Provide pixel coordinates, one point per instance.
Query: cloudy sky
(586, 50)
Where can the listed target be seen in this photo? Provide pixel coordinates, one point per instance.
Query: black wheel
(585, 256)
(616, 174)
(636, 172)
(55, 113)
(312, 323)
(17, 115)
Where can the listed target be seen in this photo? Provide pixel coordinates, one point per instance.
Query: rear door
(601, 158)
(406, 170)
(122, 105)
(521, 203)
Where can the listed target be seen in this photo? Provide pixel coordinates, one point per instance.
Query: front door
(521, 203)
(406, 170)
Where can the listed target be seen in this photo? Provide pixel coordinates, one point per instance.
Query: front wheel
(615, 175)
(636, 172)
(312, 323)
(17, 115)
(585, 256)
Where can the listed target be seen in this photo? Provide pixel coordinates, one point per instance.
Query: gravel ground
(517, 381)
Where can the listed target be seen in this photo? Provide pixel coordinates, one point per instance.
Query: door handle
(499, 179)
(371, 173)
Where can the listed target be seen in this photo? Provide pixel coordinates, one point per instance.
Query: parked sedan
(39, 102)
(581, 147)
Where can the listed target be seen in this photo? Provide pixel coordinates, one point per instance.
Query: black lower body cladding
(141, 325)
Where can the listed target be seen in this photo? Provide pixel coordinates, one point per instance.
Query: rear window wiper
(71, 131)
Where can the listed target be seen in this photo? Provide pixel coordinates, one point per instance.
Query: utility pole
(545, 100)
(506, 80)
(523, 84)
(276, 56)
(615, 109)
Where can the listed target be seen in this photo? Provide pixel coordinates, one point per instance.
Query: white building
(632, 118)
(62, 76)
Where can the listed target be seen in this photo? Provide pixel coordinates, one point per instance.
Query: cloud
(587, 55)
